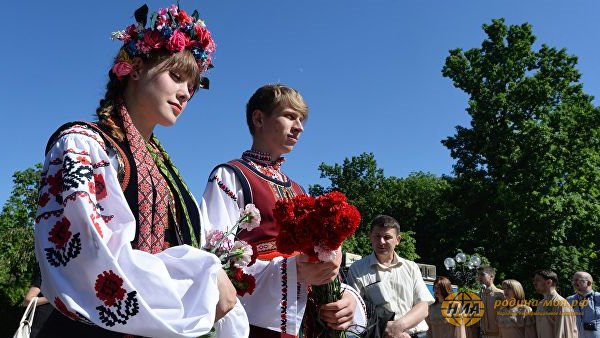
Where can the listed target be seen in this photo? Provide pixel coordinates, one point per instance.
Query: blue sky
(369, 70)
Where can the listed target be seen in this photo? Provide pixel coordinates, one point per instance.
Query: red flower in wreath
(60, 234)
(109, 288)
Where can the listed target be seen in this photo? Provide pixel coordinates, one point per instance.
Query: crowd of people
(395, 292)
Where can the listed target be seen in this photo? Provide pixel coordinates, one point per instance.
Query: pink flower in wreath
(122, 69)
(177, 41)
(109, 287)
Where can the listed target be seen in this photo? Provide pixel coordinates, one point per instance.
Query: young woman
(114, 214)
(439, 327)
(515, 320)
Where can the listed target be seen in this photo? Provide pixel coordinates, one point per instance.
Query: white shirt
(83, 235)
(220, 209)
(401, 284)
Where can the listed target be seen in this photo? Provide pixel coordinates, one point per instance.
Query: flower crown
(171, 29)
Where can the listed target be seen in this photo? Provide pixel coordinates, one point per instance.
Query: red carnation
(131, 32)
(183, 18)
(206, 40)
(153, 39)
(60, 234)
(305, 222)
(109, 288)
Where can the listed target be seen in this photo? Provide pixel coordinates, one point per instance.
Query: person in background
(554, 316)
(439, 327)
(515, 320)
(393, 283)
(488, 325)
(585, 302)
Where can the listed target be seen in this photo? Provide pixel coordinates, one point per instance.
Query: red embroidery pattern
(284, 286)
(109, 288)
(93, 218)
(43, 199)
(223, 187)
(119, 305)
(98, 187)
(83, 131)
(153, 207)
(67, 245)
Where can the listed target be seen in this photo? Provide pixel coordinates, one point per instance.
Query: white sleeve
(90, 271)
(276, 280)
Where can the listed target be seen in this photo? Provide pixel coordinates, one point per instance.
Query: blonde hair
(269, 97)
(183, 62)
(517, 288)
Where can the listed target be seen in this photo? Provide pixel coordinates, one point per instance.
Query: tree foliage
(17, 257)
(413, 201)
(527, 172)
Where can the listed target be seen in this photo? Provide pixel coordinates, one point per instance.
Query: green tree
(17, 257)
(414, 201)
(528, 167)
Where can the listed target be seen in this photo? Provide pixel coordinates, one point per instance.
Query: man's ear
(137, 64)
(258, 118)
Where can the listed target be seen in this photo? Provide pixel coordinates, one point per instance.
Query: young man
(388, 281)
(554, 316)
(489, 293)
(275, 115)
(586, 302)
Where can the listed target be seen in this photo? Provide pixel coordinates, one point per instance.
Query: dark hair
(547, 274)
(184, 62)
(385, 221)
(445, 286)
(271, 96)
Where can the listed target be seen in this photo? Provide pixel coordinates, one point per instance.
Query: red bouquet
(317, 227)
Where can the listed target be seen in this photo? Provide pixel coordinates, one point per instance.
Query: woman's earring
(135, 75)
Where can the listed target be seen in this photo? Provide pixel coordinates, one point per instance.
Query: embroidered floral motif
(119, 305)
(94, 218)
(74, 174)
(109, 287)
(43, 199)
(60, 234)
(83, 160)
(98, 187)
(55, 182)
(223, 187)
(67, 245)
